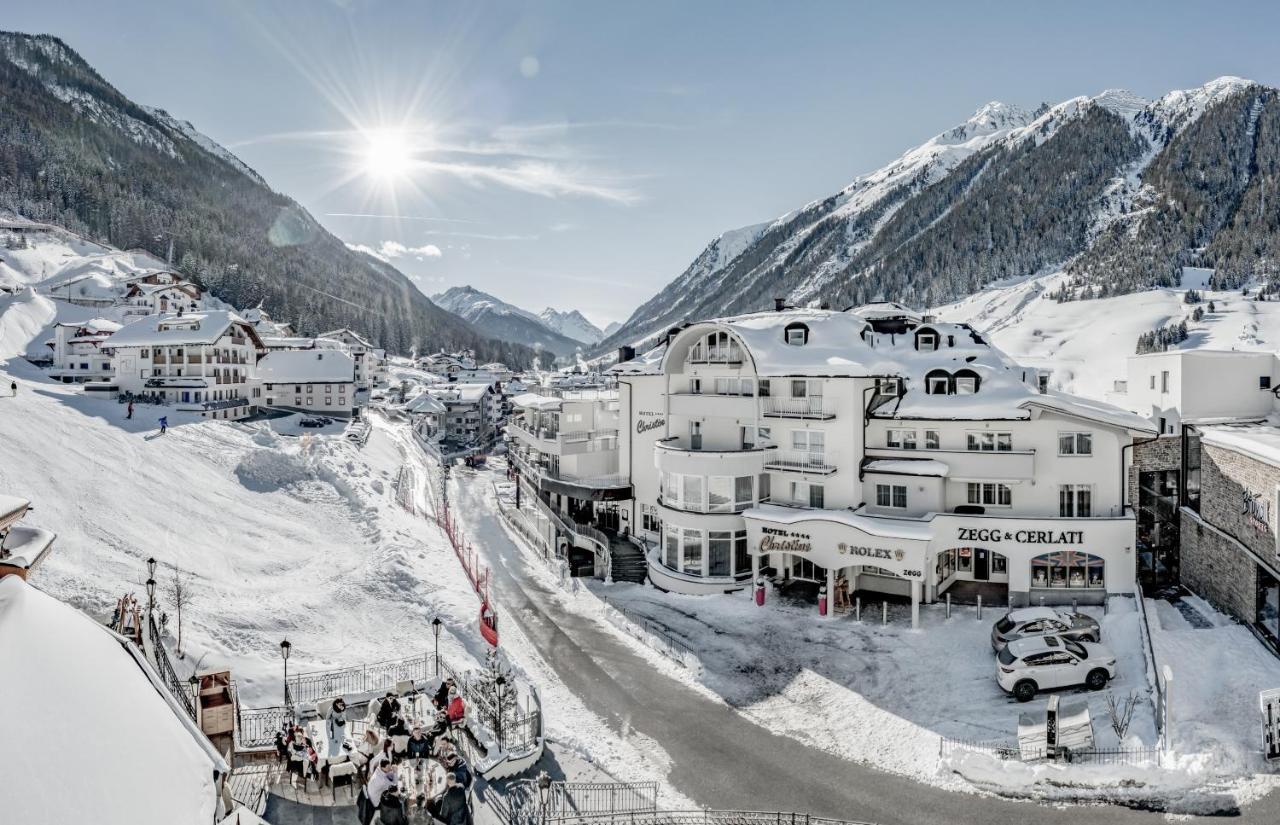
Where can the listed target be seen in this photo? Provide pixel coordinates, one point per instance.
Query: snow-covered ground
(1085, 344)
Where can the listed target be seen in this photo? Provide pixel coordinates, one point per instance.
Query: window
(805, 494)
(692, 557)
(1069, 569)
(937, 382)
(741, 556)
(1075, 500)
(992, 495)
(734, 386)
(901, 439)
(691, 492)
(742, 493)
(1264, 382)
(672, 555)
(797, 335)
(1164, 381)
(891, 495)
(1075, 444)
(966, 385)
(719, 553)
(695, 386)
(763, 483)
(932, 440)
(987, 442)
(1153, 381)
(887, 386)
(927, 341)
(809, 441)
(765, 387)
(719, 494)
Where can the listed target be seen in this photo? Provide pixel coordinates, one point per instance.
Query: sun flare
(387, 155)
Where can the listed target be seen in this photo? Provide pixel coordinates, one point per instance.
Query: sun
(387, 155)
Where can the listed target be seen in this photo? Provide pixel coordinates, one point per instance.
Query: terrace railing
(326, 684)
(180, 689)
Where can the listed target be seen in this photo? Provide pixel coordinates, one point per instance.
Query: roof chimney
(779, 304)
(626, 353)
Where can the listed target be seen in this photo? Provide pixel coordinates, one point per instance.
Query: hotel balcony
(609, 487)
(671, 456)
(710, 405)
(801, 461)
(972, 465)
(816, 407)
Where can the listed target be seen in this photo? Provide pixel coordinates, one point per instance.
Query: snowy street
(645, 698)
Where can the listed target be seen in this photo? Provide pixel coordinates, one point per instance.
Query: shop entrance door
(981, 564)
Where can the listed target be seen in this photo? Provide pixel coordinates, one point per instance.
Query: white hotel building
(871, 451)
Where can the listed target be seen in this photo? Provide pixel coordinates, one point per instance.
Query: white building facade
(82, 351)
(200, 362)
(871, 451)
(308, 381)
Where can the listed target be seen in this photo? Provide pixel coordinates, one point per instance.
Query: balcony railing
(814, 407)
(732, 355)
(801, 461)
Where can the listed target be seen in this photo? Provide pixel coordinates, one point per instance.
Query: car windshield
(1078, 649)
(1006, 657)
(1004, 625)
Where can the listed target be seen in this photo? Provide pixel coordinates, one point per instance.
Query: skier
(164, 424)
(13, 388)
(129, 413)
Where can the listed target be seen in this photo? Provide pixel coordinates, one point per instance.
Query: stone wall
(1228, 480)
(1165, 453)
(1217, 568)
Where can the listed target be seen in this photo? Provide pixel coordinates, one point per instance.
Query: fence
(1011, 751)
(181, 690)
(1154, 677)
(702, 817)
(657, 636)
(325, 684)
(515, 732)
(523, 803)
(405, 482)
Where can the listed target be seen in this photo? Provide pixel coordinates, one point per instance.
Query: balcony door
(695, 435)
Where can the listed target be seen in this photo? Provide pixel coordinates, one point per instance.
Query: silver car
(1027, 622)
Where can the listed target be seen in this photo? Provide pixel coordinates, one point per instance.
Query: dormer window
(796, 335)
(927, 341)
(966, 386)
(938, 382)
(887, 386)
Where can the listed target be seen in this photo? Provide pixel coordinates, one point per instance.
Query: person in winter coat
(129, 412)
(391, 809)
(459, 770)
(419, 745)
(389, 711)
(451, 807)
(457, 711)
(381, 777)
(13, 388)
(441, 699)
(441, 728)
(164, 424)
(398, 727)
(336, 726)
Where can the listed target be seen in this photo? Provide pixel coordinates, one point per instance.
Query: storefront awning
(840, 538)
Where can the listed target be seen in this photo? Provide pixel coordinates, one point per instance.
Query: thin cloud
(388, 251)
(481, 236)
(539, 178)
(397, 217)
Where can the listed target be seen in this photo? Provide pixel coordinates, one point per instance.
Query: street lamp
(435, 627)
(151, 567)
(285, 647)
(194, 681)
(499, 683)
(151, 598)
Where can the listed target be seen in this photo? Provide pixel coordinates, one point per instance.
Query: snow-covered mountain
(572, 324)
(505, 322)
(1120, 191)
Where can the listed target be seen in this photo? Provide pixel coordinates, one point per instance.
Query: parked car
(1027, 666)
(1025, 622)
(315, 421)
(357, 431)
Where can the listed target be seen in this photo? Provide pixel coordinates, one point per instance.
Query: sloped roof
(306, 366)
(171, 329)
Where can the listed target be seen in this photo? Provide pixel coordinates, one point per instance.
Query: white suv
(1027, 666)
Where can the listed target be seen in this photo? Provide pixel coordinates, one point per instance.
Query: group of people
(379, 758)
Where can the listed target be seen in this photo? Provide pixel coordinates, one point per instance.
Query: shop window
(1069, 569)
(992, 495)
(1075, 444)
(891, 495)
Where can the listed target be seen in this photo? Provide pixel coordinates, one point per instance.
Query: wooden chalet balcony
(160, 359)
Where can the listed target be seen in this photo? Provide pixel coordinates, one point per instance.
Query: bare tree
(180, 596)
(1121, 712)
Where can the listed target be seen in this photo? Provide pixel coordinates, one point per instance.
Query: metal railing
(317, 685)
(257, 727)
(658, 637)
(813, 461)
(702, 817)
(160, 657)
(1147, 755)
(813, 407)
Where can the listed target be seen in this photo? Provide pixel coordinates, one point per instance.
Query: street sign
(1269, 703)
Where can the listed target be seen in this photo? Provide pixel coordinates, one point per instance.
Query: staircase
(627, 561)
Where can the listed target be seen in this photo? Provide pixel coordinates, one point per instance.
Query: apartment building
(317, 381)
(82, 351)
(872, 450)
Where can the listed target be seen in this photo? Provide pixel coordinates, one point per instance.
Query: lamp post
(194, 681)
(151, 599)
(435, 628)
(499, 683)
(285, 647)
(544, 795)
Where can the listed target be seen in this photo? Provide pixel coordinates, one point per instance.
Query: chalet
(310, 381)
(82, 351)
(362, 353)
(150, 299)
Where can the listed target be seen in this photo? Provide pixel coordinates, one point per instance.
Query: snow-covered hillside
(1085, 344)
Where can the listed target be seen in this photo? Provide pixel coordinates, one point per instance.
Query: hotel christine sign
(774, 540)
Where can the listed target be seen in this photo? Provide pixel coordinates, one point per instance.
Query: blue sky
(580, 154)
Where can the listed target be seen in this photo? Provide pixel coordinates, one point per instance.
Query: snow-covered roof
(884, 527)
(1032, 614)
(908, 467)
(533, 401)
(170, 329)
(646, 363)
(346, 333)
(1259, 440)
(466, 393)
(283, 342)
(306, 366)
(23, 546)
(71, 682)
(885, 309)
(12, 508)
(424, 402)
(95, 326)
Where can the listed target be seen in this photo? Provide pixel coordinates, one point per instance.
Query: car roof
(1031, 614)
(1034, 644)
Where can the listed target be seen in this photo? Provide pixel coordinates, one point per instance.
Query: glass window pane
(815, 495)
(742, 491)
(1066, 444)
(719, 548)
(673, 548)
(692, 499)
(692, 551)
(1084, 444)
(899, 496)
(741, 558)
(719, 494)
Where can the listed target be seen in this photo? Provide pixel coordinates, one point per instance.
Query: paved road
(719, 758)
